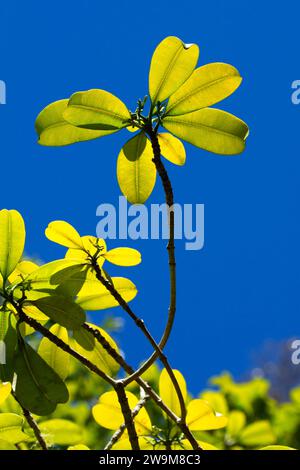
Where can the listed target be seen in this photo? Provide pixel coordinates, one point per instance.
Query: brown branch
(118, 434)
(127, 414)
(33, 424)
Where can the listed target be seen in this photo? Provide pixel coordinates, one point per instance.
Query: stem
(141, 325)
(117, 435)
(33, 424)
(128, 418)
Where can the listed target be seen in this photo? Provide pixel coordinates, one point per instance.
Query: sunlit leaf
(54, 130)
(136, 172)
(277, 448)
(22, 270)
(216, 400)
(107, 413)
(38, 388)
(123, 256)
(5, 445)
(184, 444)
(62, 310)
(257, 434)
(236, 422)
(55, 357)
(145, 443)
(12, 240)
(201, 417)
(167, 390)
(5, 389)
(92, 350)
(8, 341)
(210, 129)
(91, 245)
(11, 428)
(64, 234)
(98, 110)
(101, 298)
(171, 65)
(61, 432)
(206, 86)
(171, 148)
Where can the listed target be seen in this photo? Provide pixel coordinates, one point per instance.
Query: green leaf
(55, 357)
(206, 86)
(210, 129)
(38, 388)
(64, 234)
(61, 432)
(12, 240)
(171, 65)
(100, 298)
(277, 448)
(98, 110)
(86, 345)
(61, 310)
(8, 337)
(257, 434)
(54, 131)
(236, 422)
(5, 445)
(171, 148)
(136, 171)
(11, 428)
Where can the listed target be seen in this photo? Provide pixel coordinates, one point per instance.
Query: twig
(33, 424)
(118, 434)
(128, 418)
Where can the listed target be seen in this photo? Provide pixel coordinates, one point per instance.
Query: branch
(33, 424)
(128, 418)
(117, 435)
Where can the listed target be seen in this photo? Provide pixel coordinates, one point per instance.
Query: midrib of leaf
(197, 90)
(100, 111)
(199, 126)
(167, 72)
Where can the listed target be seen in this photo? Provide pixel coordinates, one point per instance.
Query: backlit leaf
(22, 270)
(201, 417)
(136, 172)
(61, 432)
(100, 298)
(62, 310)
(12, 240)
(54, 130)
(210, 129)
(5, 389)
(206, 86)
(86, 345)
(98, 110)
(55, 357)
(257, 434)
(8, 341)
(11, 428)
(107, 413)
(123, 256)
(64, 234)
(91, 245)
(38, 387)
(171, 148)
(167, 390)
(171, 65)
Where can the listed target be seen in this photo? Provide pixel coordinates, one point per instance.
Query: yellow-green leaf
(100, 298)
(62, 310)
(210, 129)
(206, 86)
(86, 345)
(107, 413)
(78, 447)
(136, 172)
(236, 422)
(54, 131)
(171, 148)
(11, 428)
(171, 65)
(61, 432)
(259, 433)
(12, 240)
(22, 270)
(98, 110)
(123, 256)
(277, 448)
(201, 417)
(216, 400)
(167, 390)
(64, 234)
(5, 445)
(90, 245)
(5, 389)
(55, 357)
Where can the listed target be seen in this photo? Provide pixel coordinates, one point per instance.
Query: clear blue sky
(243, 287)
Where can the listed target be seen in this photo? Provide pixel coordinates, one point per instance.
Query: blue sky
(243, 287)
